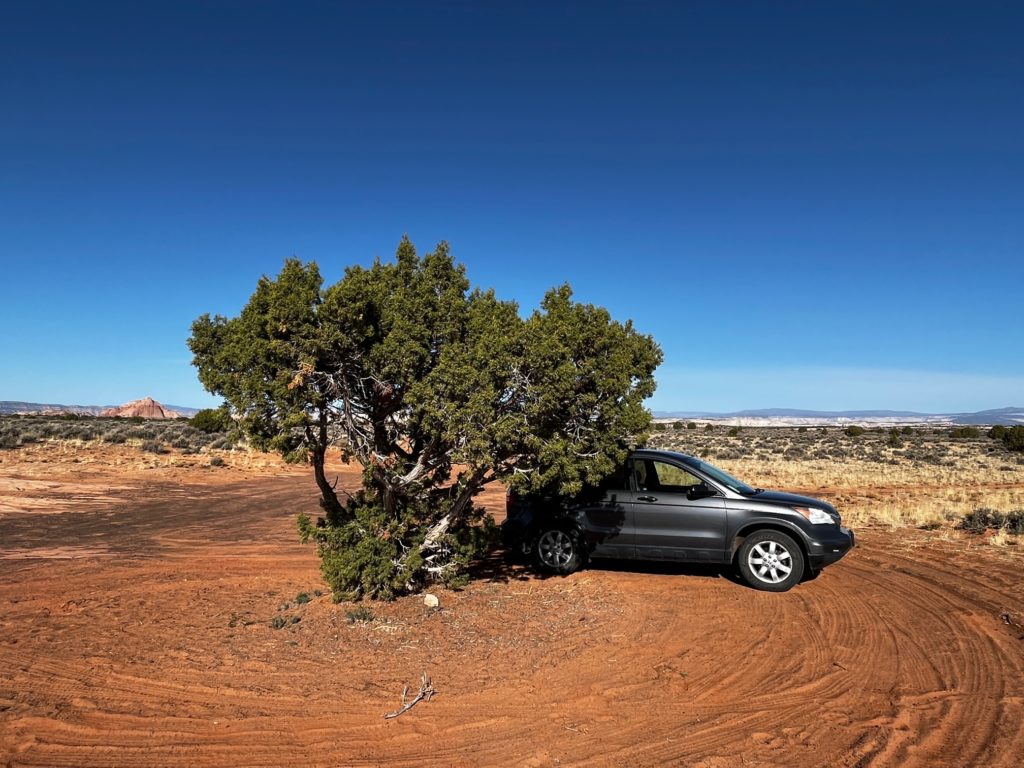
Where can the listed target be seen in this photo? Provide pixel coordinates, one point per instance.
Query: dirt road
(137, 631)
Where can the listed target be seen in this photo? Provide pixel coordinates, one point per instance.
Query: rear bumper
(827, 549)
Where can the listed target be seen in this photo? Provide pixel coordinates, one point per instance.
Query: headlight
(816, 516)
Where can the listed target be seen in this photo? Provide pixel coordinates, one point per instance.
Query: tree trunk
(328, 498)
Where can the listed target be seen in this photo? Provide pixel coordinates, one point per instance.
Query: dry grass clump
(923, 477)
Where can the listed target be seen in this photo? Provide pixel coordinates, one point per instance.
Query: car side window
(618, 481)
(669, 478)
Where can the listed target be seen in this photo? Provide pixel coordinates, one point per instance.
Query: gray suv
(663, 505)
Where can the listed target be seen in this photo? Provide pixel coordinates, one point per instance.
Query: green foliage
(1013, 438)
(801, 429)
(895, 440)
(359, 615)
(854, 431)
(734, 431)
(965, 432)
(412, 373)
(691, 425)
(213, 420)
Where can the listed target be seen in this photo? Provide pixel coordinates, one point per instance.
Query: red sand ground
(134, 630)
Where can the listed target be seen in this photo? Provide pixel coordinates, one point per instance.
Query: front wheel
(558, 550)
(771, 561)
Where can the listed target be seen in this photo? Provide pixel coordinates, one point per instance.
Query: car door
(676, 515)
(606, 517)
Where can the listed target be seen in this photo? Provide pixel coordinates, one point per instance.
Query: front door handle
(646, 498)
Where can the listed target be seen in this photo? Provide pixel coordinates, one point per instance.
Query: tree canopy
(436, 389)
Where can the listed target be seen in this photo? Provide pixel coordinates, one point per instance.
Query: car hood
(791, 500)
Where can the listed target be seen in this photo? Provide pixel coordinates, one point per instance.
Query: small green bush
(965, 432)
(733, 431)
(854, 431)
(212, 420)
(153, 446)
(691, 425)
(358, 615)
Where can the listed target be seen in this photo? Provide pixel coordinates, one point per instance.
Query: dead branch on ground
(425, 693)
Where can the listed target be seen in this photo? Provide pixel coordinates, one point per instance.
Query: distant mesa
(147, 408)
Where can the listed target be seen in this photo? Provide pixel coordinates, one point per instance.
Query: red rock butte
(147, 408)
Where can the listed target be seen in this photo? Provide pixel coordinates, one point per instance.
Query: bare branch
(425, 693)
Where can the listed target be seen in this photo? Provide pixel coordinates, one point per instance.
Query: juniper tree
(436, 389)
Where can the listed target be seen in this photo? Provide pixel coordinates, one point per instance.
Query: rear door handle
(646, 498)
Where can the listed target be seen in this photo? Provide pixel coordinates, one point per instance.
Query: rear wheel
(771, 561)
(558, 550)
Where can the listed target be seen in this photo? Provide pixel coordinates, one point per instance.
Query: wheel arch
(769, 525)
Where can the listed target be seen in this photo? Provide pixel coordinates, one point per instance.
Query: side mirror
(700, 491)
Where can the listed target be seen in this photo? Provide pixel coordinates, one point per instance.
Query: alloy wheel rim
(770, 562)
(555, 548)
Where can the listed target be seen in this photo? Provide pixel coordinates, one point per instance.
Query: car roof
(654, 453)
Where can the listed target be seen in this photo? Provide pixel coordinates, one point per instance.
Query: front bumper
(829, 547)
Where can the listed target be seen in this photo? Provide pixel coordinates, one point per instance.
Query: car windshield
(724, 478)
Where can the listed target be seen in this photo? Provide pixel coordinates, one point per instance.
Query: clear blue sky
(808, 204)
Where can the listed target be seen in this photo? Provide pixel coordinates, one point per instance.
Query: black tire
(765, 557)
(558, 549)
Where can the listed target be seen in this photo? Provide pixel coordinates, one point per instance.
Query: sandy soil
(135, 610)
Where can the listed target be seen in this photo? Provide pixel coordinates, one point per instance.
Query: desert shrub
(659, 426)
(1014, 522)
(733, 431)
(373, 554)
(359, 614)
(29, 436)
(965, 432)
(984, 519)
(1013, 438)
(907, 430)
(691, 425)
(709, 427)
(302, 598)
(801, 429)
(895, 440)
(211, 420)
(677, 425)
(854, 431)
(977, 521)
(216, 461)
(8, 440)
(153, 446)
(997, 432)
(115, 437)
